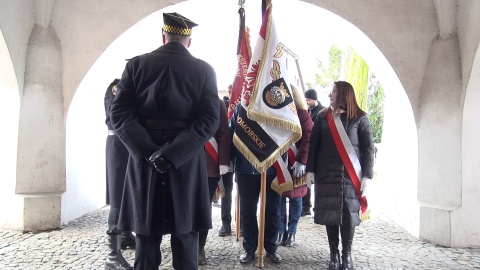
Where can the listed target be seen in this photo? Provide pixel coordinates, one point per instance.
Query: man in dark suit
(116, 156)
(217, 154)
(227, 179)
(314, 107)
(165, 111)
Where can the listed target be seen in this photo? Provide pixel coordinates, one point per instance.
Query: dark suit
(166, 98)
(116, 156)
(306, 200)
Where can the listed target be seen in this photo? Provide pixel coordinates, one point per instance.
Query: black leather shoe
(247, 256)
(225, 231)
(306, 212)
(127, 240)
(279, 239)
(202, 259)
(290, 241)
(274, 257)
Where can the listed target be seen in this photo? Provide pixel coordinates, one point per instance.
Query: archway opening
(216, 45)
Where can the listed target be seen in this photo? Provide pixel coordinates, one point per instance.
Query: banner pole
(237, 215)
(300, 75)
(261, 231)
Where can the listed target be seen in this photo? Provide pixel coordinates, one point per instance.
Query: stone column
(439, 139)
(41, 138)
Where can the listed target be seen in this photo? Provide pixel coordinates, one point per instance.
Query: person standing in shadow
(288, 230)
(227, 178)
(116, 156)
(217, 154)
(165, 110)
(314, 107)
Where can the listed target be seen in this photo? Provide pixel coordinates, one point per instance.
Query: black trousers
(346, 233)
(249, 189)
(212, 187)
(184, 252)
(113, 220)
(227, 199)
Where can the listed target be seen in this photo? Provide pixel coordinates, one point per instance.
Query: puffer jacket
(336, 201)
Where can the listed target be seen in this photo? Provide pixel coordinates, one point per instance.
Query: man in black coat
(116, 156)
(314, 107)
(165, 110)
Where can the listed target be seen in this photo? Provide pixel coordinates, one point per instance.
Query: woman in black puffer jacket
(336, 201)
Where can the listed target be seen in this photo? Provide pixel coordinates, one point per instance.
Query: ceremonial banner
(244, 53)
(267, 124)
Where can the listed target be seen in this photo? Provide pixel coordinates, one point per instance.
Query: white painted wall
(467, 217)
(397, 158)
(85, 152)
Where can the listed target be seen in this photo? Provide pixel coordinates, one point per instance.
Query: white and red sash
(349, 158)
(212, 149)
(284, 182)
(292, 155)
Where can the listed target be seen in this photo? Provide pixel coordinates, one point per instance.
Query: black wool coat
(116, 156)
(336, 201)
(166, 96)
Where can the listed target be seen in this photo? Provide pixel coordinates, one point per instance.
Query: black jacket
(315, 110)
(116, 156)
(336, 201)
(166, 96)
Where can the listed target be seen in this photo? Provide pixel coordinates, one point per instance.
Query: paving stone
(378, 244)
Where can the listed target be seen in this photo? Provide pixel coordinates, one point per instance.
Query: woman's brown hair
(346, 97)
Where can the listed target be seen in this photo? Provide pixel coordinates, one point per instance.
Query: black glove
(159, 161)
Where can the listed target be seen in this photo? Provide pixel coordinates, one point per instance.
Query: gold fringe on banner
(280, 189)
(287, 186)
(268, 162)
(279, 122)
(247, 40)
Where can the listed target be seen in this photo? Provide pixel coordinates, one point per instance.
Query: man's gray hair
(176, 38)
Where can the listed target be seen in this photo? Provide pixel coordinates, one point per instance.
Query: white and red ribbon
(348, 155)
(211, 146)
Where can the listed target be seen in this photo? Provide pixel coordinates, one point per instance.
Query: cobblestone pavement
(378, 244)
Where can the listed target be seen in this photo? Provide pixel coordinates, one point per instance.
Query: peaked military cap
(175, 23)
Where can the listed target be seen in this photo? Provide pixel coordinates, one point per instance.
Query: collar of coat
(173, 47)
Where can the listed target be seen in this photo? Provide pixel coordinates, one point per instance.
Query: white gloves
(363, 187)
(310, 178)
(223, 169)
(298, 169)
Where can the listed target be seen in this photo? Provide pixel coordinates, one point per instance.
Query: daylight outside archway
(215, 41)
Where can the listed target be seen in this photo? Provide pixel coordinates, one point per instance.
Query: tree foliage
(351, 67)
(330, 72)
(356, 73)
(375, 104)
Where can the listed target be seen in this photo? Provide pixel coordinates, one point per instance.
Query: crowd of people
(169, 151)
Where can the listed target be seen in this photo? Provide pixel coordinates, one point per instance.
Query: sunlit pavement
(379, 244)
